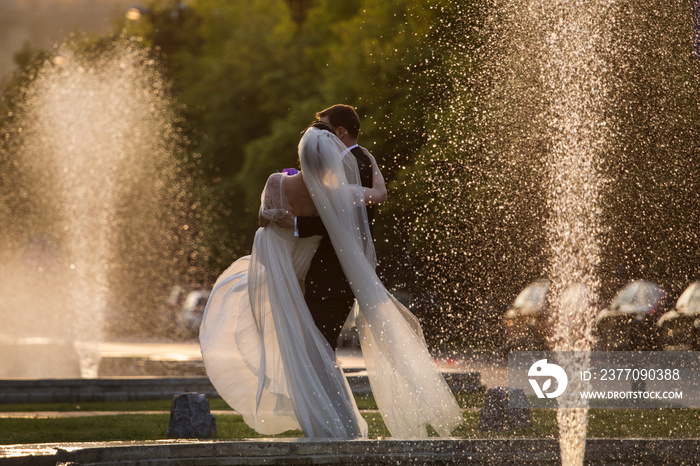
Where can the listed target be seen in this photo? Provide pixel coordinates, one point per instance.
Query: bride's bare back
(298, 197)
(287, 192)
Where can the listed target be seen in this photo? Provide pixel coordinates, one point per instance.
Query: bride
(260, 347)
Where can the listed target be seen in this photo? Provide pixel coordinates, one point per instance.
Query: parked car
(349, 337)
(629, 322)
(680, 327)
(526, 323)
(190, 316)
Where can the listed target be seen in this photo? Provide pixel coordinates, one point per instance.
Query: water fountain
(575, 80)
(560, 160)
(526, 191)
(98, 223)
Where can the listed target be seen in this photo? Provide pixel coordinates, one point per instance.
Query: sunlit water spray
(516, 169)
(552, 59)
(99, 221)
(574, 76)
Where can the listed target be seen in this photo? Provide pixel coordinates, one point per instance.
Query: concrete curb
(151, 388)
(359, 452)
(105, 389)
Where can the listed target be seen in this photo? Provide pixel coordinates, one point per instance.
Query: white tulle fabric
(409, 390)
(265, 356)
(260, 347)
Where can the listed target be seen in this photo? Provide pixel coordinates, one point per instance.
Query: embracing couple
(271, 324)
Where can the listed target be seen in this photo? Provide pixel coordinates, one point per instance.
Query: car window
(694, 301)
(626, 295)
(690, 298)
(532, 296)
(646, 296)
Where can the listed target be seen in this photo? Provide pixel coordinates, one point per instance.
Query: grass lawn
(666, 423)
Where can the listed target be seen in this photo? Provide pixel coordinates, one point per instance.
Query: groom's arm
(377, 193)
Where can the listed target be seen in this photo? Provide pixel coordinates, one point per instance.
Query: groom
(327, 292)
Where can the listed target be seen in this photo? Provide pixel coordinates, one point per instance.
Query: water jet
(101, 226)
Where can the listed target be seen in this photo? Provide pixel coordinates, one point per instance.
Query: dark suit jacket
(325, 278)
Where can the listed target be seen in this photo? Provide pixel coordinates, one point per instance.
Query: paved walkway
(297, 452)
(289, 452)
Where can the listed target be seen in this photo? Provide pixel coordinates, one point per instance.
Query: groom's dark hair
(342, 115)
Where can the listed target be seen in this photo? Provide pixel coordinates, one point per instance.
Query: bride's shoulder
(284, 181)
(274, 178)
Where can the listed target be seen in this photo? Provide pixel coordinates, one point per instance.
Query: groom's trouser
(329, 315)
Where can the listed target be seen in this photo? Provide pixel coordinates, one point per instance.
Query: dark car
(680, 327)
(629, 322)
(526, 323)
(349, 337)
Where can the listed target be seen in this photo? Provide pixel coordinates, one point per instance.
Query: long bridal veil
(260, 347)
(409, 390)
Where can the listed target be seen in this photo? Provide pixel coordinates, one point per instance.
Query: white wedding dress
(261, 349)
(265, 356)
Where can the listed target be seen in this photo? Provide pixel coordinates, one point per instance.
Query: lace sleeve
(273, 203)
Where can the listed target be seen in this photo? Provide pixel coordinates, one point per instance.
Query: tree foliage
(451, 106)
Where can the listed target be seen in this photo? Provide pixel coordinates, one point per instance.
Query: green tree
(389, 62)
(252, 77)
(235, 68)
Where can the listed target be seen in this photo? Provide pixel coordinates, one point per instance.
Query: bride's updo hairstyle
(320, 125)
